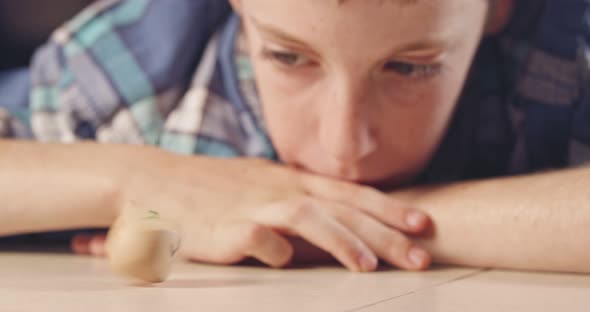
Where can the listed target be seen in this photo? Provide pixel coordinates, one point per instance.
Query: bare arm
(45, 187)
(225, 209)
(536, 222)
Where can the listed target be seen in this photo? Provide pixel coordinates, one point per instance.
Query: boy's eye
(289, 59)
(413, 70)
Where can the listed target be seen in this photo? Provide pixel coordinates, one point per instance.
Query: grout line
(466, 276)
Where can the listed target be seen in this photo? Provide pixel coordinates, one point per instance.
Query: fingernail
(417, 256)
(368, 263)
(415, 219)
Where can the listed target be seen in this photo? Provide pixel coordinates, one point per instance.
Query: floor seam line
(472, 274)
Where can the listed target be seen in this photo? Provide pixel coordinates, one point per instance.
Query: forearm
(537, 222)
(47, 187)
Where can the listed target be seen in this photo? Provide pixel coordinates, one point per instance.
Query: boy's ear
(236, 5)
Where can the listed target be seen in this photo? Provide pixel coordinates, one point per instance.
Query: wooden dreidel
(142, 246)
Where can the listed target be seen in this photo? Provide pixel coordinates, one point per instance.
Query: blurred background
(26, 24)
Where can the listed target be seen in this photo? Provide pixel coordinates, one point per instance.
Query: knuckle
(361, 193)
(284, 258)
(343, 213)
(363, 189)
(348, 246)
(299, 211)
(355, 188)
(253, 235)
(350, 250)
(397, 246)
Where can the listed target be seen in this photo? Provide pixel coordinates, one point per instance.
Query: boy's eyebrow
(427, 44)
(269, 29)
(421, 45)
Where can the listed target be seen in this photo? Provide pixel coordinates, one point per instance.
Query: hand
(231, 209)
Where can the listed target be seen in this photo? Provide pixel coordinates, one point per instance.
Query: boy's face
(361, 90)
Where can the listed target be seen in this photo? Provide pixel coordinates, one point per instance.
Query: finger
(302, 216)
(80, 244)
(260, 242)
(388, 243)
(369, 200)
(232, 242)
(97, 245)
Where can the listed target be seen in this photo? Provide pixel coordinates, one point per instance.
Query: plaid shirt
(172, 73)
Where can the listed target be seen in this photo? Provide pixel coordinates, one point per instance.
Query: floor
(33, 281)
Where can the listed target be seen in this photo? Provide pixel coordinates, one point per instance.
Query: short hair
(401, 2)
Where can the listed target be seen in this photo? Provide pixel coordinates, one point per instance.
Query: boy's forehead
(360, 7)
(407, 18)
(418, 28)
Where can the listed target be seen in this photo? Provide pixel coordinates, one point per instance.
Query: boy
(346, 97)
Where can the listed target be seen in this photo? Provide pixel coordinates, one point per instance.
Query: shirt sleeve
(14, 117)
(110, 74)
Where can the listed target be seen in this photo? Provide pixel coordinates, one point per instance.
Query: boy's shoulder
(548, 44)
(117, 56)
(525, 108)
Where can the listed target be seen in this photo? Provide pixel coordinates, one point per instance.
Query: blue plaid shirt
(173, 73)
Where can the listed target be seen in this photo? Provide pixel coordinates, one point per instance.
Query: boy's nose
(345, 131)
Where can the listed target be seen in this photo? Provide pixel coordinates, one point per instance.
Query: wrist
(130, 168)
